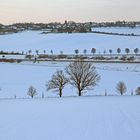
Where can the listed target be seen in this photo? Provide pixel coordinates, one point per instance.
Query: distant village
(66, 27)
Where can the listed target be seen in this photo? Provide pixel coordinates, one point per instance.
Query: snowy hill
(33, 40)
(85, 118)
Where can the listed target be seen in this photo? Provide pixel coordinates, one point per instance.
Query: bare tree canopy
(121, 88)
(118, 50)
(82, 75)
(93, 50)
(136, 50)
(57, 82)
(127, 50)
(32, 92)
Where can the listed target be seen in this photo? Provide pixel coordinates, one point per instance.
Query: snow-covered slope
(66, 42)
(85, 118)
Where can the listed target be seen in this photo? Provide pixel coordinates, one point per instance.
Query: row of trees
(76, 51)
(57, 87)
(93, 51)
(79, 74)
(127, 51)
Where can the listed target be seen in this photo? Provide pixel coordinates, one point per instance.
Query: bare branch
(121, 88)
(82, 75)
(57, 82)
(32, 92)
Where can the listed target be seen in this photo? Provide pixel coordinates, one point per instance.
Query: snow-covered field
(85, 118)
(67, 42)
(123, 30)
(68, 118)
(16, 78)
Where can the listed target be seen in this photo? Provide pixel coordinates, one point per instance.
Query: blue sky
(12, 11)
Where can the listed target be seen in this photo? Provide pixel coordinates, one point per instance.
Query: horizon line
(69, 21)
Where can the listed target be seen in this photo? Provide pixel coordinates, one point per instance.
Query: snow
(16, 78)
(71, 118)
(123, 30)
(66, 42)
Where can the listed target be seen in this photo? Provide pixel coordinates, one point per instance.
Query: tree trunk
(80, 94)
(60, 93)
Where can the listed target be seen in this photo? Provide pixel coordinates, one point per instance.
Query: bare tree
(51, 52)
(30, 51)
(44, 51)
(93, 50)
(127, 50)
(136, 50)
(76, 51)
(118, 50)
(82, 75)
(37, 52)
(121, 88)
(85, 51)
(138, 91)
(32, 92)
(110, 51)
(57, 82)
(104, 52)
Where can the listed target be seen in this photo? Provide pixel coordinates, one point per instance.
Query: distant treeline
(120, 34)
(69, 26)
(10, 53)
